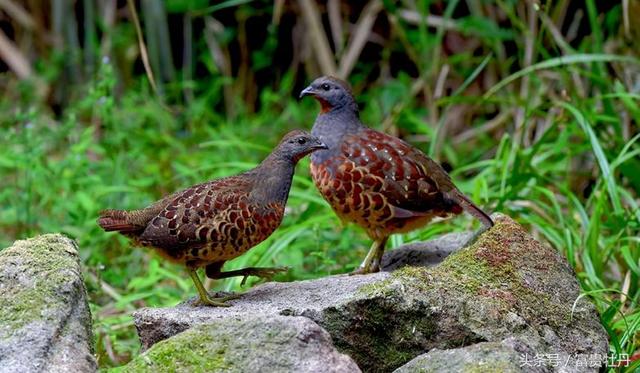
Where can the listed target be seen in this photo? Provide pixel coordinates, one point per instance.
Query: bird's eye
(302, 141)
(325, 86)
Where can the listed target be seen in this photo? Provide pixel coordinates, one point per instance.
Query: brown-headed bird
(210, 223)
(375, 180)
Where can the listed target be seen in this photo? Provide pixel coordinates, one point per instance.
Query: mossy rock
(261, 344)
(45, 322)
(505, 286)
(484, 357)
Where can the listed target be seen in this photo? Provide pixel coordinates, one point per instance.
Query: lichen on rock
(484, 357)
(258, 344)
(45, 322)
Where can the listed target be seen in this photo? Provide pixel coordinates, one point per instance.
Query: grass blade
(599, 153)
(557, 62)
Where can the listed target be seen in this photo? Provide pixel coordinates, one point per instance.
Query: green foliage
(538, 126)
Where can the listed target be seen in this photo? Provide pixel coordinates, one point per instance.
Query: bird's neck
(332, 126)
(273, 180)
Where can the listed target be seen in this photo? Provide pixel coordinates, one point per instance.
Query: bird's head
(332, 93)
(297, 144)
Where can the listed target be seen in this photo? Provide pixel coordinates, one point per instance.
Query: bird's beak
(309, 91)
(320, 145)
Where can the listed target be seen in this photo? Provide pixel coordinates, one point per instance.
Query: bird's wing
(435, 189)
(411, 182)
(199, 214)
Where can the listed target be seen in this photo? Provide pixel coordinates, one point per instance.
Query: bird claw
(217, 301)
(265, 273)
(365, 271)
(244, 280)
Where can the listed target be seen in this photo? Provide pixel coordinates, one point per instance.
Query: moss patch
(266, 343)
(503, 281)
(195, 350)
(33, 272)
(496, 366)
(492, 270)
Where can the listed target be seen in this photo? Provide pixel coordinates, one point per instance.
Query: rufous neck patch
(325, 106)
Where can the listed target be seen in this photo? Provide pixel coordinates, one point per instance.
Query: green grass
(540, 127)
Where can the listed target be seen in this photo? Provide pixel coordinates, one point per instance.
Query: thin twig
(442, 78)
(625, 18)
(143, 47)
(484, 128)
(555, 33)
(529, 39)
(278, 7)
(574, 27)
(626, 284)
(220, 58)
(565, 48)
(417, 87)
(413, 17)
(106, 288)
(359, 37)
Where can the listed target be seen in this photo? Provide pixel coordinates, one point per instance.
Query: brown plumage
(375, 180)
(210, 223)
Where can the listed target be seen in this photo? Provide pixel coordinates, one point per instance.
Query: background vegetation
(532, 106)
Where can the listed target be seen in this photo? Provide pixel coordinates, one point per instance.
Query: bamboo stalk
(318, 37)
(187, 57)
(17, 13)
(90, 37)
(150, 22)
(14, 58)
(335, 21)
(164, 41)
(359, 37)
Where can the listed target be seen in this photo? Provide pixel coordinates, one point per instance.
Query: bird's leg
(211, 271)
(205, 299)
(371, 262)
(262, 272)
(377, 260)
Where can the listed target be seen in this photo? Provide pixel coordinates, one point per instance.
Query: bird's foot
(266, 273)
(365, 270)
(371, 262)
(217, 301)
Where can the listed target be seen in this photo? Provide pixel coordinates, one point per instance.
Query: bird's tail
(470, 207)
(116, 220)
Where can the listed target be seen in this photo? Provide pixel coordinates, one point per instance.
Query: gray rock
(489, 357)
(308, 298)
(504, 288)
(424, 254)
(45, 323)
(247, 344)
